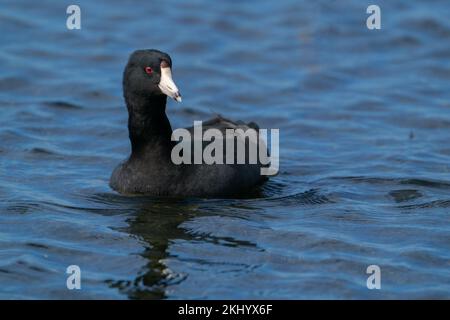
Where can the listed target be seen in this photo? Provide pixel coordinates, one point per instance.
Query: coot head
(148, 75)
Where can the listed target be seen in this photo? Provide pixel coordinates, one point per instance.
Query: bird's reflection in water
(157, 225)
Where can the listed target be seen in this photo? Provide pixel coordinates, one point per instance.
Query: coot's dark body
(149, 170)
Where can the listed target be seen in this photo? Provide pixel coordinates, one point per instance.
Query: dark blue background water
(364, 119)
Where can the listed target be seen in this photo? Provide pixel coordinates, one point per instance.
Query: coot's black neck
(148, 126)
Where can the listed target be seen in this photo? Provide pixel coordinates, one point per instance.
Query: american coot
(147, 81)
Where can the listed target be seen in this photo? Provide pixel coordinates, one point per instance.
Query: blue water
(364, 119)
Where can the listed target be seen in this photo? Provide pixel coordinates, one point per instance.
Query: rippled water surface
(364, 119)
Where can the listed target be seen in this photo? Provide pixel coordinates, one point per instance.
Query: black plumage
(149, 169)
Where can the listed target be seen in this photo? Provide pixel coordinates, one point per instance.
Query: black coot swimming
(149, 170)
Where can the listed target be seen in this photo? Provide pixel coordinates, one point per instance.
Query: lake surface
(364, 119)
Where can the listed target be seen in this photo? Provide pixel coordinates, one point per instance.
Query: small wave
(405, 195)
(23, 207)
(402, 181)
(62, 105)
(426, 183)
(427, 205)
(42, 151)
(309, 197)
(430, 26)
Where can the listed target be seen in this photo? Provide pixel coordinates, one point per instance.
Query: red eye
(148, 70)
